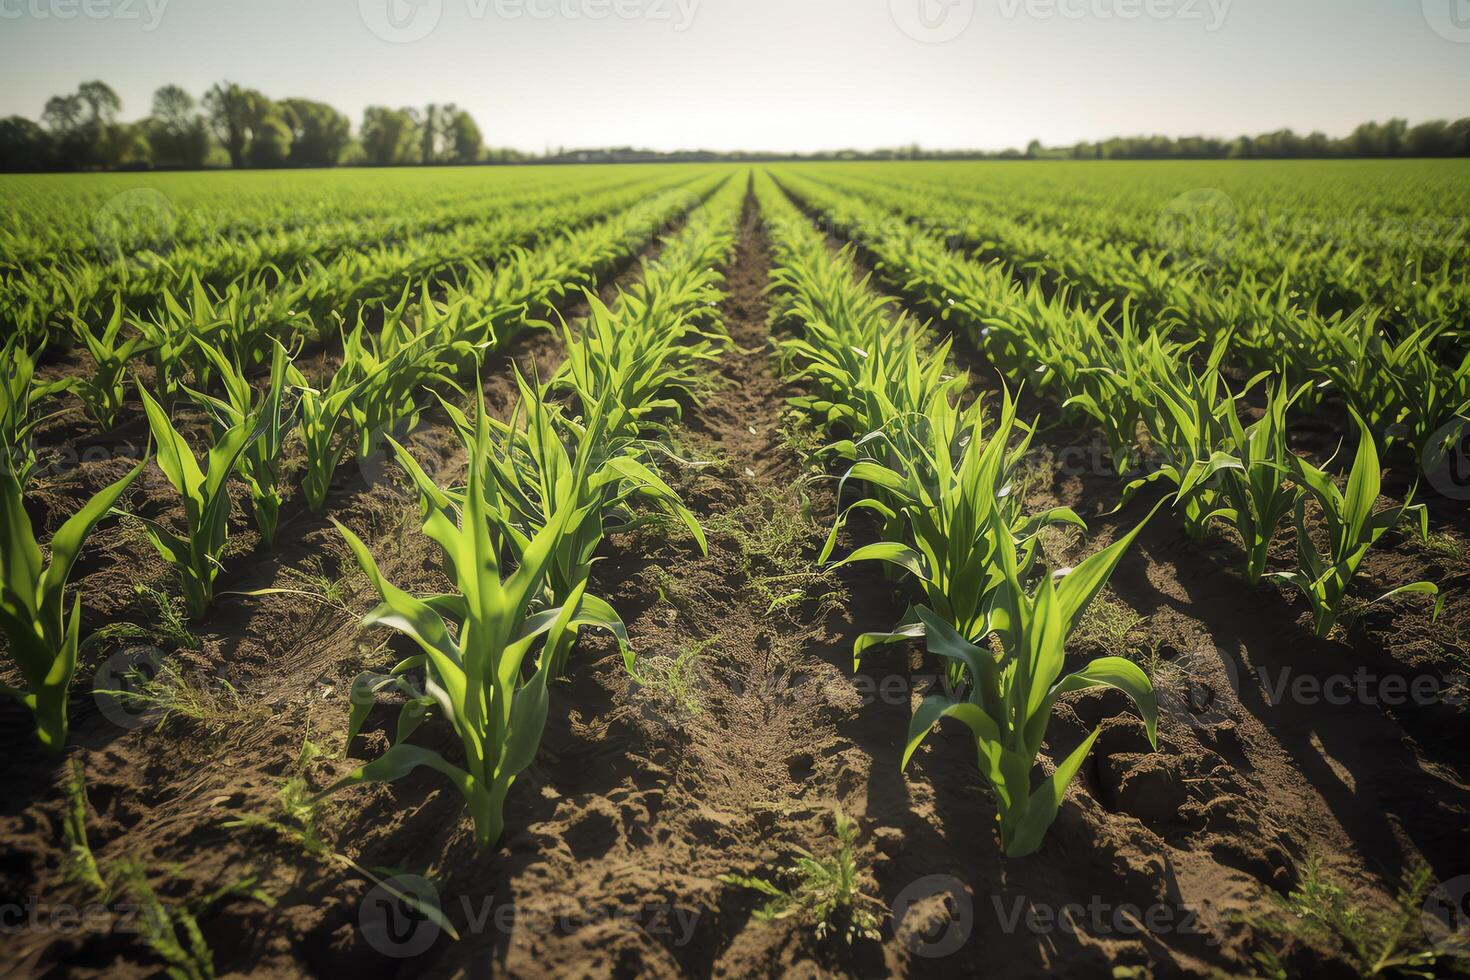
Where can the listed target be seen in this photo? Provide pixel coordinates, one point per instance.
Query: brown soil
(748, 730)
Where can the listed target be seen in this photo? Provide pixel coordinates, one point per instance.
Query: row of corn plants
(1409, 382)
(307, 270)
(383, 382)
(542, 489)
(1121, 378)
(939, 475)
(1332, 245)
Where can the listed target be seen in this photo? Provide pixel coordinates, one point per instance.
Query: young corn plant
(583, 466)
(373, 390)
(168, 342)
(637, 360)
(473, 676)
(540, 463)
(1252, 474)
(19, 395)
(953, 517)
(1189, 421)
(103, 391)
(1352, 529)
(204, 493)
(1009, 702)
(260, 463)
(42, 634)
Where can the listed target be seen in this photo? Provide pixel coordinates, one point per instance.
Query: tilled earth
(744, 736)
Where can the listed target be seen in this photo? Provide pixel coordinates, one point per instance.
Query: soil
(744, 735)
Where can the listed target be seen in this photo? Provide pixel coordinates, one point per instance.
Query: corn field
(839, 568)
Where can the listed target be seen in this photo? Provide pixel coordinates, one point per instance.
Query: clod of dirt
(1145, 785)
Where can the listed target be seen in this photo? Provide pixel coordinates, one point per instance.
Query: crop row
(285, 277)
(1408, 385)
(1220, 469)
(1330, 241)
(937, 472)
(377, 389)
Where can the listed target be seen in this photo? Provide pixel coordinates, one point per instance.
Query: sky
(780, 75)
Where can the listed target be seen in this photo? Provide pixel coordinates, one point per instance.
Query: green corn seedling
(371, 391)
(19, 395)
(475, 676)
(205, 496)
(953, 517)
(1252, 474)
(260, 463)
(42, 634)
(1352, 529)
(1010, 699)
(102, 393)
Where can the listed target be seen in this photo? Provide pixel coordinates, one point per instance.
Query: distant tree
(1459, 136)
(319, 134)
(229, 107)
(101, 101)
(465, 138)
(437, 129)
(252, 128)
(178, 134)
(24, 145)
(429, 126)
(270, 134)
(128, 145)
(79, 125)
(389, 137)
(1430, 139)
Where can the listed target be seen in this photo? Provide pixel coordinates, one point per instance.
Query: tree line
(1395, 138)
(230, 126)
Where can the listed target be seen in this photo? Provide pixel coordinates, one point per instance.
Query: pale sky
(784, 75)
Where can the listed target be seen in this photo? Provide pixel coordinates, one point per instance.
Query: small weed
(1376, 942)
(675, 678)
(1107, 624)
(168, 627)
(171, 932)
(776, 535)
(824, 893)
(298, 821)
(213, 704)
(1445, 545)
(82, 864)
